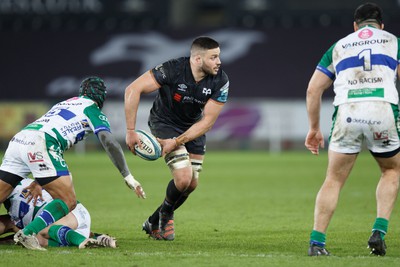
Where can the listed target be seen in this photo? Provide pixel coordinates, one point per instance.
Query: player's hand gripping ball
(151, 148)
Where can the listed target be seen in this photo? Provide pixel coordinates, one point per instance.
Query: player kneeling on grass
(39, 148)
(71, 230)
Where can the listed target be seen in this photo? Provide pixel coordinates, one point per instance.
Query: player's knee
(183, 179)
(178, 159)
(192, 176)
(70, 202)
(192, 187)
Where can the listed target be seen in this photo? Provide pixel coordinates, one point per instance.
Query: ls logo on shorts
(35, 157)
(384, 135)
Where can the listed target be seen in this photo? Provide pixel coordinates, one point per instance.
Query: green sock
(317, 238)
(381, 225)
(65, 236)
(52, 243)
(51, 213)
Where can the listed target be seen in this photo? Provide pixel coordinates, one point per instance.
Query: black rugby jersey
(180, 100)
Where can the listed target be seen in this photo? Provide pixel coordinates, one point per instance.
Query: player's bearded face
(211, 61)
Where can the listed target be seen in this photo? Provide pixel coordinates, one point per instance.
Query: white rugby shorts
(373, 123)
(30, 152)
(82, 215)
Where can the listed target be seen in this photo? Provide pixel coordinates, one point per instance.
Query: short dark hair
(204, 42)
(368, 12)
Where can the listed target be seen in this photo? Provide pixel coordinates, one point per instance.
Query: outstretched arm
(116, 154)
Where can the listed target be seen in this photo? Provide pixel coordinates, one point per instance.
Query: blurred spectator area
(125, 15)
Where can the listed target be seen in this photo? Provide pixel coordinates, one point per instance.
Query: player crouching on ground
(39, 148)
(71, 230)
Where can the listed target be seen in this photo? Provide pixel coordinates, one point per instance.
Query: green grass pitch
(250, 209)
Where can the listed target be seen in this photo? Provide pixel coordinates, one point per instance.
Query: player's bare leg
(388, 186)
(386, 195)
(339, 167)
(68, 220)
(62, 188)
(5, 191)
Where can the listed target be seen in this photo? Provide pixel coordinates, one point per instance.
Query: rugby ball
(151, 148)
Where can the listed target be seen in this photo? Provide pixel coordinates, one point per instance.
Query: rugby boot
(377, 244)
(315, 250)
(167, 231)
(152, 230)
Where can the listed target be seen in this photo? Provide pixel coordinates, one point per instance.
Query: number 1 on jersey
(366, 56)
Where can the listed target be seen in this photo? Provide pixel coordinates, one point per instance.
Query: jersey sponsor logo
(103, 118)
(366, 42)
(43, 167)
(24, 193)
(160, 68)
(363, 121)
(206, 91)
(386, 143)
(366, 92)
(22, 142)
(384, 135)
(365, 34)
(182, 87)
(191, 99)
(70, 129)
(177, 97)
(224, 93)
(85, 123)
(42, 120)
(35, 157)
(68, 103)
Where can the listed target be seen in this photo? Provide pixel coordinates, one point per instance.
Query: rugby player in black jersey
(191, 94)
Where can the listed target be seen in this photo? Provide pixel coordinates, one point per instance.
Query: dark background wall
(269, 48)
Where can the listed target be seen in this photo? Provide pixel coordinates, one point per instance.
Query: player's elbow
(313, 93)
(208, 127)
(129, 91)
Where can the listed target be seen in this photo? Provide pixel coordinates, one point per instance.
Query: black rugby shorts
(165, 131)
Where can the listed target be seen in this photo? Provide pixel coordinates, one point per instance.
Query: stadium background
(269, 50)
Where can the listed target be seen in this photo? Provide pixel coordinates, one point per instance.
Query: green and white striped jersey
(363, 66)
(71, 121)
